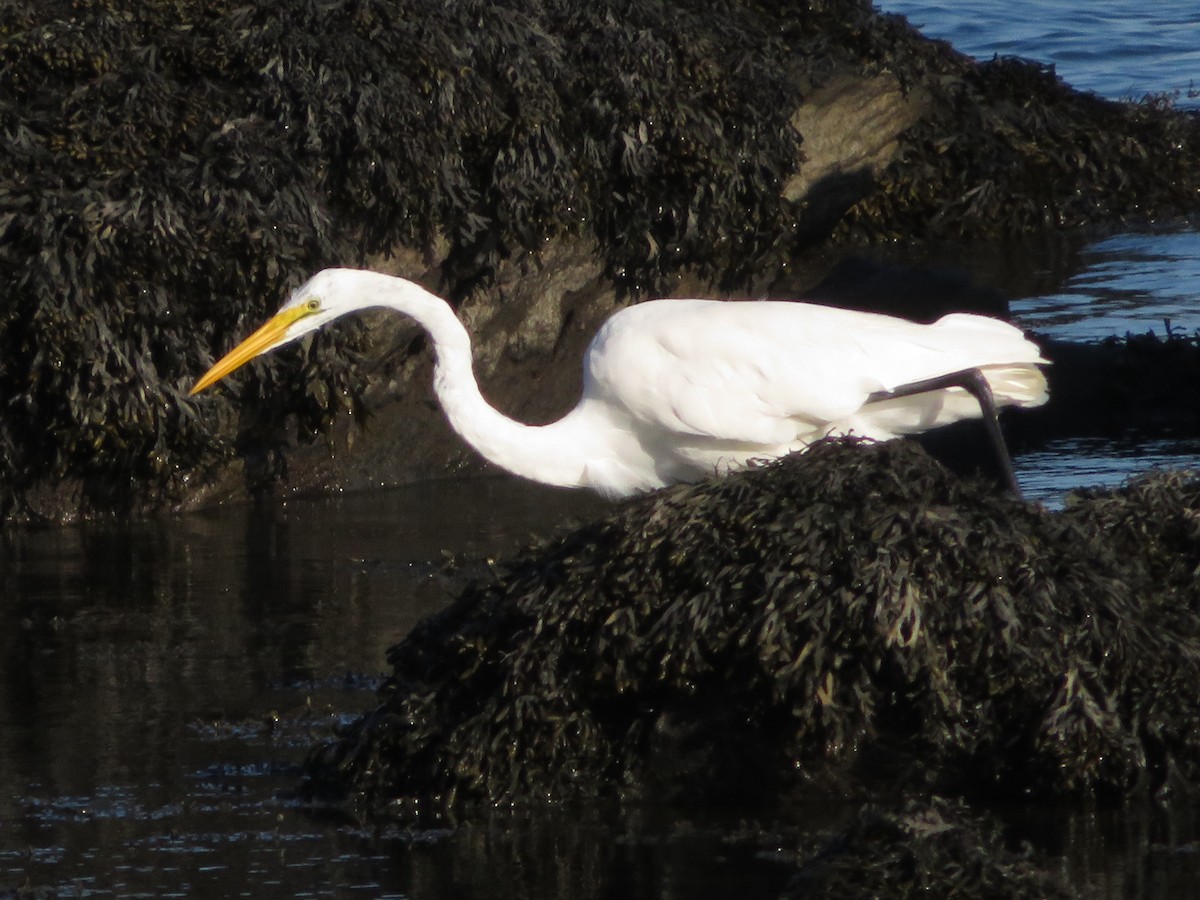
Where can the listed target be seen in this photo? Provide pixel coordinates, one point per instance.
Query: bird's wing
(770, 372)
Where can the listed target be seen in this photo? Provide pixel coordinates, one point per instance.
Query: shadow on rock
(1137, 383)
(843, 621)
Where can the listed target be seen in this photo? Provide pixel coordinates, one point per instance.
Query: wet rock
(842, 620)
(172, 168)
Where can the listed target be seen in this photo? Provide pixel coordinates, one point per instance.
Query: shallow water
(1049, 473)
(162, 679)
(1130, 283)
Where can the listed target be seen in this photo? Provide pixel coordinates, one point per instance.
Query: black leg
(972, 381)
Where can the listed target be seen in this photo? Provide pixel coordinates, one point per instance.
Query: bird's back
(730, 381)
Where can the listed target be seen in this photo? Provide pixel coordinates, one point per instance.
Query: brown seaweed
(172, 167)
(936, 845)
(849, 617)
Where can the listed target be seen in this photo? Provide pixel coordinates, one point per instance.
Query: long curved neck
(552, 454)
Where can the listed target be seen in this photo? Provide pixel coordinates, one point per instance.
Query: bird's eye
(312, 304)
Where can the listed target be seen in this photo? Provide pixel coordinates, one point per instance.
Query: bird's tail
(1019, 384)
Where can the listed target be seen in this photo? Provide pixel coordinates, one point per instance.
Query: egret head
(319, 300)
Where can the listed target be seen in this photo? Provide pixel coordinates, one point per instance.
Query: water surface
(1130, 283)
(162, 679)
(1121, 49)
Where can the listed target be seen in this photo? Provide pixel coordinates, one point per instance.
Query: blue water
(1051, 472)
(1131, 283)
(1121, 49)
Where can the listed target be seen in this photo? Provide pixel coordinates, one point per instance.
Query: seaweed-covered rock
(936, 846)
(172, 167)
(1001, 151)
(849, 616)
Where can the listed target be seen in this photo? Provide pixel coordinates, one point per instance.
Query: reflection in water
(144, 667)
(161, 678)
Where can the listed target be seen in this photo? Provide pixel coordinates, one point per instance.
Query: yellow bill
(272, 334)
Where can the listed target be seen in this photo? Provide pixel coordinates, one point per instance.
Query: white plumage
(680, 390)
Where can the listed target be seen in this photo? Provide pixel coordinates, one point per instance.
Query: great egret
(679, 390)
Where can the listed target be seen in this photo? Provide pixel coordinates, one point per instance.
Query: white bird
(681, 390)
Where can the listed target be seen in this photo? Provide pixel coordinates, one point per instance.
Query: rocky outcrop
(853, 621)
(171, 169)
